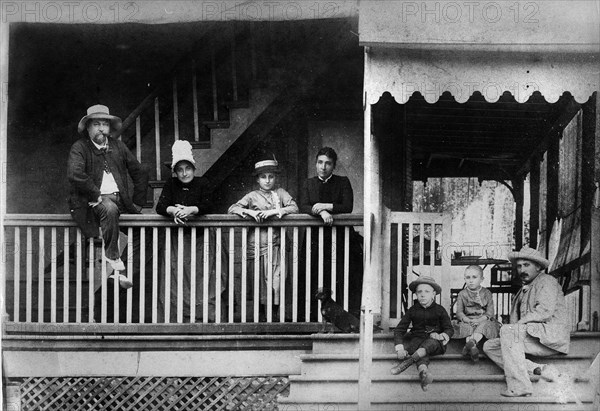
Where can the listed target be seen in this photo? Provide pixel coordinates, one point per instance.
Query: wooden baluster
(17, 277)
(29, 274)
(399, 273)
(66, 274)
(253, 65)
(157, 138)
(53, 254)
(307, 296)
(154, 275)
(129, 302)
(295, 246)
(346, 266)
(168, 275)
(334, 265)
(91, 290)
(41, 251)
(269, 274)
(409, 275)
(138, 139)
(320, 271)
(231, 262)
(193, 276)
(115, 296)
(175, 110)
(180, 275)
(244, 272)
(282, 276)
(233, 68)
(142, 298)
(195, 102)
(214, 84)
(78, 275)
(205, 275)
(104, 286)
(256, 273)
(218, 270)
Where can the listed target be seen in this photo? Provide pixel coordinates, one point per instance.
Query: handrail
(209, 220)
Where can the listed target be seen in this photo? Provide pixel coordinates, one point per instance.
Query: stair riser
(285, 405)
(337, 368)
(397, 391)
(580, 346)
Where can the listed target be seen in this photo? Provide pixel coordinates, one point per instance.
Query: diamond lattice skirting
(152, 393)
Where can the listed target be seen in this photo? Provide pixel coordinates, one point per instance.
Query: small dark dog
(335, 314)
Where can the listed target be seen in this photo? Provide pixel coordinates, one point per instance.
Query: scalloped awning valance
(487, 47)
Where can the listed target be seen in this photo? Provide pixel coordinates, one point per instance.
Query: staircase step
(449, 364)
(451, 388)
(203, 145)
(238, 104)
(217, 124)
(461, 404)
(582, 343)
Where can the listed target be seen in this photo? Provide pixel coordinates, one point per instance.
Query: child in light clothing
(431, 330)
(265, 203)
(475, 313)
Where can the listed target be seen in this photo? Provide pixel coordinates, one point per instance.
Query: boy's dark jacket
(424, 321)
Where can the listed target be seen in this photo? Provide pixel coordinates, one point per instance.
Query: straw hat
(266, 165)
(425, 280)
(100, 111)
(530, 254)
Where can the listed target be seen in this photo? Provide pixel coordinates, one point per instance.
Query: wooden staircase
(236, 84)
(329, 378)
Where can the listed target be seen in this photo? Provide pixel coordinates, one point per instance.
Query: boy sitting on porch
(475, 313)
(261, 205)
(431, 330)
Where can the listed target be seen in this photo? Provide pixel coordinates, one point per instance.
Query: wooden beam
(595, 226)
(4, 48)
(554, 133)
(518, 191)
(534, 201)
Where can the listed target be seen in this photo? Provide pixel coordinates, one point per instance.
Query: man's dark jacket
(85, 170)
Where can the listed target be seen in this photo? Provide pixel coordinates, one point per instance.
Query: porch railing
(54, 275)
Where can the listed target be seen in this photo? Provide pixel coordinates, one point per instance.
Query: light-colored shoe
(117, 264)
(426, 378)
(124, 282)
(511, 393)
(550, 373)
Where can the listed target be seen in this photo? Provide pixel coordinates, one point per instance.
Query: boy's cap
(182, 151)
(268, 165)
(425, 280)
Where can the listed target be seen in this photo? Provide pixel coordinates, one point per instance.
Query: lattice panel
(152, 393)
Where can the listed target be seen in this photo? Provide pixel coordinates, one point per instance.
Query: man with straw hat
(538, 326)
(98, 170)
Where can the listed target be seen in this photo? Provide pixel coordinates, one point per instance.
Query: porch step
(449, 364)
(582, 343)
(329, 378)
(463, 404)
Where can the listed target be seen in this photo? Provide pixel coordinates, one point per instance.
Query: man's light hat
(100, 111)
(182, 151)
(530, 254)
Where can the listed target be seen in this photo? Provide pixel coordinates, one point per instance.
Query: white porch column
(595, 229)
(4, 34)
(371, 293)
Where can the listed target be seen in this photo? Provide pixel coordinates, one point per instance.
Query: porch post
(518, 193)
(595, 229)
(371, 293)
(534, 199)
(4, 34)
